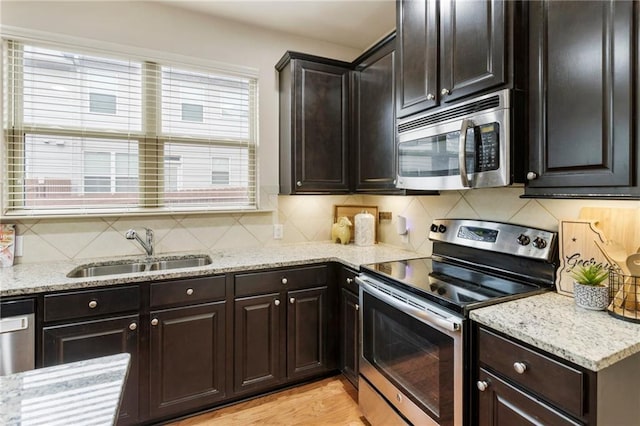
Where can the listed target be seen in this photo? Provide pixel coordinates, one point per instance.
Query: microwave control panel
(488, 149)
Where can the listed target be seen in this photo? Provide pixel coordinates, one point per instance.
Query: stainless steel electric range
(415, 360)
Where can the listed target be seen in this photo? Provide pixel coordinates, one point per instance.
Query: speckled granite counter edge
(31, 279)
(552, 322)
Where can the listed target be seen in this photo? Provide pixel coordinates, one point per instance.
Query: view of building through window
(82, 133)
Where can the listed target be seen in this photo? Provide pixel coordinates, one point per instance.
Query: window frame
(150, 143)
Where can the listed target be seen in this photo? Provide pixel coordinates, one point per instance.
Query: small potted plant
(589, 290)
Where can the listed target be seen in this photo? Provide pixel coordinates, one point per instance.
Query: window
(90, 132)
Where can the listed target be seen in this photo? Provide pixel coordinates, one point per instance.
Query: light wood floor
(332, 401)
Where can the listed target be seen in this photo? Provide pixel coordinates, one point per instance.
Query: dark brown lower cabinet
(307, 326)
(349, 335)
(259, 342)
(91, 339)
(503, 404)
(187, 358)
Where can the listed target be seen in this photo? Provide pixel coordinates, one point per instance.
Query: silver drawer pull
(520, 367)
(189, 291)
(349, 280)
(154, 321)
(482, 385)
(292, 300)
(276, 302)
(357, 307)
(93, 304)
(284, 281)
(133, 326)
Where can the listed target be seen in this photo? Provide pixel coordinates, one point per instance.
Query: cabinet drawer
(558, 383)
(189, 291)
(90, 303)
(348, 279)
(274, 281)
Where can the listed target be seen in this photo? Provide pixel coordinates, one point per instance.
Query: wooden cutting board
(577, 240)
(617, 224)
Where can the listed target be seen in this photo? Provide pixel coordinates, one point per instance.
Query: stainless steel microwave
(466, 145)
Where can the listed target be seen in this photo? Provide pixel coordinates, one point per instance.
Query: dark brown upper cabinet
(583, 99)
(447, 50)
(373, 165)
(314, 120)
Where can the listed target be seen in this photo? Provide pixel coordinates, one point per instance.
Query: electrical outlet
(18, 249)
(278, 231)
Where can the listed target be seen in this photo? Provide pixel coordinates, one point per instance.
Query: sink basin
(133, 266)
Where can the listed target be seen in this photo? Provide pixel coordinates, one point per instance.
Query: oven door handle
(427, 317)
(462, 153)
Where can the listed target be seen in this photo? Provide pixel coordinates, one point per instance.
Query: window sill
(22, 215)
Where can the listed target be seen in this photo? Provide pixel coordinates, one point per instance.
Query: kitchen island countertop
(33, 278)
(83, 392)
(552, 322)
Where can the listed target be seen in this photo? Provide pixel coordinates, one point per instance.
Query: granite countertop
(84, 392)
(552, 322)
(24, 279)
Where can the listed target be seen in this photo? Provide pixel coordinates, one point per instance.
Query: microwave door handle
(462, 153)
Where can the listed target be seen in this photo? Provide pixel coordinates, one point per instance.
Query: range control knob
(434, 227)
(539, 243)
(523, 240)
(442, 228)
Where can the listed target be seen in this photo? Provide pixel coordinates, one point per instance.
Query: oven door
(411, 353)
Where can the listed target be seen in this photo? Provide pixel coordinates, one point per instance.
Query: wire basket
(624, 296)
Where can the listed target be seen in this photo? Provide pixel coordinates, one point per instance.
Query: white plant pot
(591, 297)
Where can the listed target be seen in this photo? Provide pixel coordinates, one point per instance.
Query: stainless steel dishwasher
(17, 336)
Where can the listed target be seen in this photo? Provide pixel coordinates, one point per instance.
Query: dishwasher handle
(13, 324)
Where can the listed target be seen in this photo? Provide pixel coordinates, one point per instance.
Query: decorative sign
(578, 247)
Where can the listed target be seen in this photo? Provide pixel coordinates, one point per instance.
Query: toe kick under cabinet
(517, 384)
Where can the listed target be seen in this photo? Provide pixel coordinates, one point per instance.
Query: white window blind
(85, 132)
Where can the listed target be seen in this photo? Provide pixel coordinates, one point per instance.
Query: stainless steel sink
(133, 266)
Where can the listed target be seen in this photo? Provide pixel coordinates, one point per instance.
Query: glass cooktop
(455, 287)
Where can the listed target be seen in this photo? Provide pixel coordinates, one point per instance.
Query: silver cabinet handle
(298, 183)
(462, 153)
(133, 326)
(444, 92)
(520, 367)
(292, 300)
(189, 291)
(357, 307)
(276, 302)
(532, 176)
(349, 280)
(482, 385)
(154, 321)
(93, 304)
(430, 96)
(284, 280)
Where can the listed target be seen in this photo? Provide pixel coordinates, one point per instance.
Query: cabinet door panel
(259, 343)
(417, 61)
(374, 123)
(504, 405)
(581, 93)
(349, 335)
(321, 136)
(307, 325)
(187, 358)
(473, 46)
(92, 339)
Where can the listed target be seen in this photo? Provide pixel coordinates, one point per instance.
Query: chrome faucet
(131, 234)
